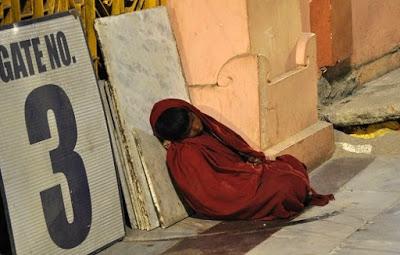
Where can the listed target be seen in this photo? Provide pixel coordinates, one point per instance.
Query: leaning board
(142, 62)
(58, 178)
(143, 65)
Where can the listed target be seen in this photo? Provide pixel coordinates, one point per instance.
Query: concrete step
(304, 144)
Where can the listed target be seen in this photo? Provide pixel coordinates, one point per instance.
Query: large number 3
(63, 160)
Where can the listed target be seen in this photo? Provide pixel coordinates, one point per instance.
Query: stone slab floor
(364, 218)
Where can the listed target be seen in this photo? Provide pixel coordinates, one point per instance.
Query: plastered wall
(359, 30)
(376, 28)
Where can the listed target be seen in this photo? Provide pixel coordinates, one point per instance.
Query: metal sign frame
(65, 146)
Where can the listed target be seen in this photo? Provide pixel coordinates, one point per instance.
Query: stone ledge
(377, 101)
(378, 67)
(312, 145)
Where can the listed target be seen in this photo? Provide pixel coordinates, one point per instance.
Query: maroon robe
(218, 183)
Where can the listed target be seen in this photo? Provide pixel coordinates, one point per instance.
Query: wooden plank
(38, 8)
(15, 10)
(150, 4)
(1, 10)
(27, 9)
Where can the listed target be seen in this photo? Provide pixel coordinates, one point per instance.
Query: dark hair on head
(173, 124)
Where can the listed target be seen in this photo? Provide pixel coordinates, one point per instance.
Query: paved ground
(364, 218)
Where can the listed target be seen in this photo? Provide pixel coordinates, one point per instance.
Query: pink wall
(376, 28)
(361, 30)
(321, 25)
(248, 64)
(342, 29)
(193, 22)
(305, 15)
(331, 21)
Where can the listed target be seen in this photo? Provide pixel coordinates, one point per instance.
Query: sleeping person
(220, 176)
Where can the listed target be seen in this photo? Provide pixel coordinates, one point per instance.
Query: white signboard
(58, 178)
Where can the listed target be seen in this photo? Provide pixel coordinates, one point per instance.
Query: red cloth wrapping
(218, 183)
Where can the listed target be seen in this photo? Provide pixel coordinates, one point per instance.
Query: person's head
(178, 123)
